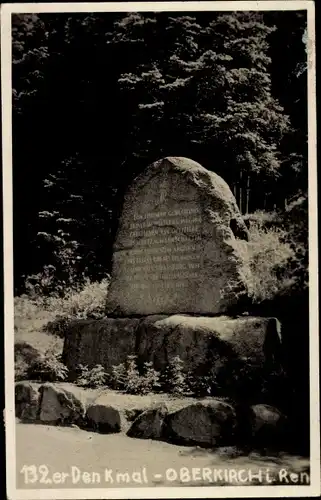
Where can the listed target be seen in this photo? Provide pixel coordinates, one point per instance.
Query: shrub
(238, 379)
(58, 326)
(119, 376)
(263, 219)
(127, 377)
(200, 385)
(133, 379)
(296, 222)
(25, 307)
(276, 257)
(242, 380)
(175, 378)
(48, 368)
(88, 302)
(20, 369)
(43, 283)
(203, 379)
(225, 377)
(150, 378)
(91, 378)
(266, 260)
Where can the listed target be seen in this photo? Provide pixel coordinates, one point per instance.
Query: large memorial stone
(176, 247)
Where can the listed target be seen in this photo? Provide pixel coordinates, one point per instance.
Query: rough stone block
(196, 340)
(207, 424)
(176, 248)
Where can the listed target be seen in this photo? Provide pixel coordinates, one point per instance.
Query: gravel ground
(73, 458)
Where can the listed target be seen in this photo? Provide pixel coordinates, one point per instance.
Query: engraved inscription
(162, 252)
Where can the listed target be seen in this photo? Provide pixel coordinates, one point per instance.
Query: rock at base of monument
(195, 339)
(132, 413)
(103, 418)
(149, 424)
(207, 424)
(59, 406)
(199, 339)
(27, 399)
(267, 426)
(177, 246)
(91, 342)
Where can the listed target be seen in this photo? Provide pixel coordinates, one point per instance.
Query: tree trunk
(247, 193)
(241, 192)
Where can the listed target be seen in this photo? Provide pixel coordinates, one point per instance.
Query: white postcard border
(156, 492)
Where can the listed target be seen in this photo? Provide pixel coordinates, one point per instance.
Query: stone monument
(176, 273)
(176, 247)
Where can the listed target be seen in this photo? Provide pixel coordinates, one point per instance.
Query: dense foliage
(97, 97)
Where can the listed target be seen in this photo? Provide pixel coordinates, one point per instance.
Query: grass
(30, 339)
(37, 321)
(30, 320)
(32, 315)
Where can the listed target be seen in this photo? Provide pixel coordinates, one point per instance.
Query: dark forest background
(97, 97)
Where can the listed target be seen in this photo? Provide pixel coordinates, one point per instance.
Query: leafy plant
(91, 378)
(150, 380)
(48, 368)
(133, 378)
(20, 369)
(266, 259)
(88, 301)
(119, 376)
(175, 379)
(127, 377)
(200, 385)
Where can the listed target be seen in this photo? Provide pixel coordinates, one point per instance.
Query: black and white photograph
(160, 250)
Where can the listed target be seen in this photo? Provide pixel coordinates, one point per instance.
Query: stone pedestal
(158, 338)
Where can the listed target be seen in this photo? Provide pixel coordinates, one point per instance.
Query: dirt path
(140, 462)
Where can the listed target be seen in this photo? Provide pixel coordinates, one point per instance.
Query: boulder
(102, 417)
(149, 424)
(177, 244)
(24, 356)
(27, 401)
(60, 406)
(132, 413)
(199, 339)
(209, 423)
(26, 352)
(267, 426)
